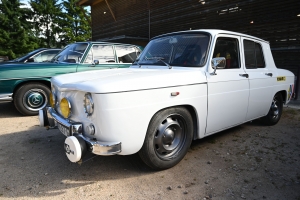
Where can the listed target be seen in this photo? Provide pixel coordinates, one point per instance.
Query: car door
(99, 56)
(228, 89)
(260, 78)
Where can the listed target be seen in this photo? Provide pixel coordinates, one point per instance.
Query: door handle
(269, 74)
(245, 75)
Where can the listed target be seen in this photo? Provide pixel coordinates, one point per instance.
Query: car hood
(127, 79)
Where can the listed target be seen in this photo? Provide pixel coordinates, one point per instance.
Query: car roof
(213, 32)
(97, 42)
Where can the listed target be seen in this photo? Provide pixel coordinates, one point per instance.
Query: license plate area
(64, 129)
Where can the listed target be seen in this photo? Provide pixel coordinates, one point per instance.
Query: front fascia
(124, 117)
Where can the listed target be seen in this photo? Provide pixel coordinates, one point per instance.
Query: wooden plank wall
(273, 20)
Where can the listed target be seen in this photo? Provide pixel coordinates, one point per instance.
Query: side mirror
(218, 63)
(96, 62)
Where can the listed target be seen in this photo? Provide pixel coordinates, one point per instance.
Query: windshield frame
(68, 48)
(143, 56)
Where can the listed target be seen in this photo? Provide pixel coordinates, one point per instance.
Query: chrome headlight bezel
(88, 104)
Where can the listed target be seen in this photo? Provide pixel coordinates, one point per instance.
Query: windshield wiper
(159, 59)
(55, 59)
(137, 62)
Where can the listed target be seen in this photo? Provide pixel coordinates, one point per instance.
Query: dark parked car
(28, 84)
(38, 55)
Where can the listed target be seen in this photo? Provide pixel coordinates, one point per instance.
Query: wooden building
(136, 21)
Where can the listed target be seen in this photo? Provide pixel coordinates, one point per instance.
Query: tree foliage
(46, 18)
(16, 37)
(76, 23)
(48, 23)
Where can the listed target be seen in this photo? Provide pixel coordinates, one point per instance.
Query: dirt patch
(250, 161)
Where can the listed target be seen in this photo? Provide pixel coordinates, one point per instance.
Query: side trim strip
(153, 88)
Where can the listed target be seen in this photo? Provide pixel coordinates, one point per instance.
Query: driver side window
(104, 53)
(228, 48)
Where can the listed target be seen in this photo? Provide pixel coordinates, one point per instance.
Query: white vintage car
(184, 86)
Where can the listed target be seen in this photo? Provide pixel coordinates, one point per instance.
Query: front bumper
(51, 119)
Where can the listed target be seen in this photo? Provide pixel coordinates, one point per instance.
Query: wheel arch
(193, 113)
(283, 94)
(20, 84)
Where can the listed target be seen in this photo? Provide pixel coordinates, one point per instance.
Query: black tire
(168, 138)
(275, 111)
(31, 97)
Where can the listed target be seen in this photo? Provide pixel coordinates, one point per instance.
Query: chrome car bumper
(49, 118)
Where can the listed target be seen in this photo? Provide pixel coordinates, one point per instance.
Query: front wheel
(31, 97)
(275, 111)
(168, 138)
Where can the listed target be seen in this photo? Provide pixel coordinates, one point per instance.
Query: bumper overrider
(76, 144)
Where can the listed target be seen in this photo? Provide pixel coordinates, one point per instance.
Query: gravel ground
(250, 161)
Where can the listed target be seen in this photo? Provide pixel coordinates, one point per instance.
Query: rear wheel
(31, 97)
(168, 138)
(275, 111)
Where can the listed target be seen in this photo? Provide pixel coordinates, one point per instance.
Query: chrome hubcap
(274, 108)
(170, 136)
(34, 99)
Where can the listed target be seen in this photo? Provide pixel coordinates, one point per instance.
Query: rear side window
(254, 57)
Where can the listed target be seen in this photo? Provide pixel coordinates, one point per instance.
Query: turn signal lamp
(52, 100)
(65, 108)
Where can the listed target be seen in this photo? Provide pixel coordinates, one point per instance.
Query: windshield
(71, 53)
(187, 50)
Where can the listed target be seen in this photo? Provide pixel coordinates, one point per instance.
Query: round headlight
(65, 108)
(52, 100)
(88, 104)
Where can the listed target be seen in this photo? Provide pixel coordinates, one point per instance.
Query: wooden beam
(110, 10)
(97, 1)
(81, 2)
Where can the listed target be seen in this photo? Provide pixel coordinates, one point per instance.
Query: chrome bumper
(51, 119)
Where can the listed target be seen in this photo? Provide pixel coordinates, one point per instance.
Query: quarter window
(253, 55)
